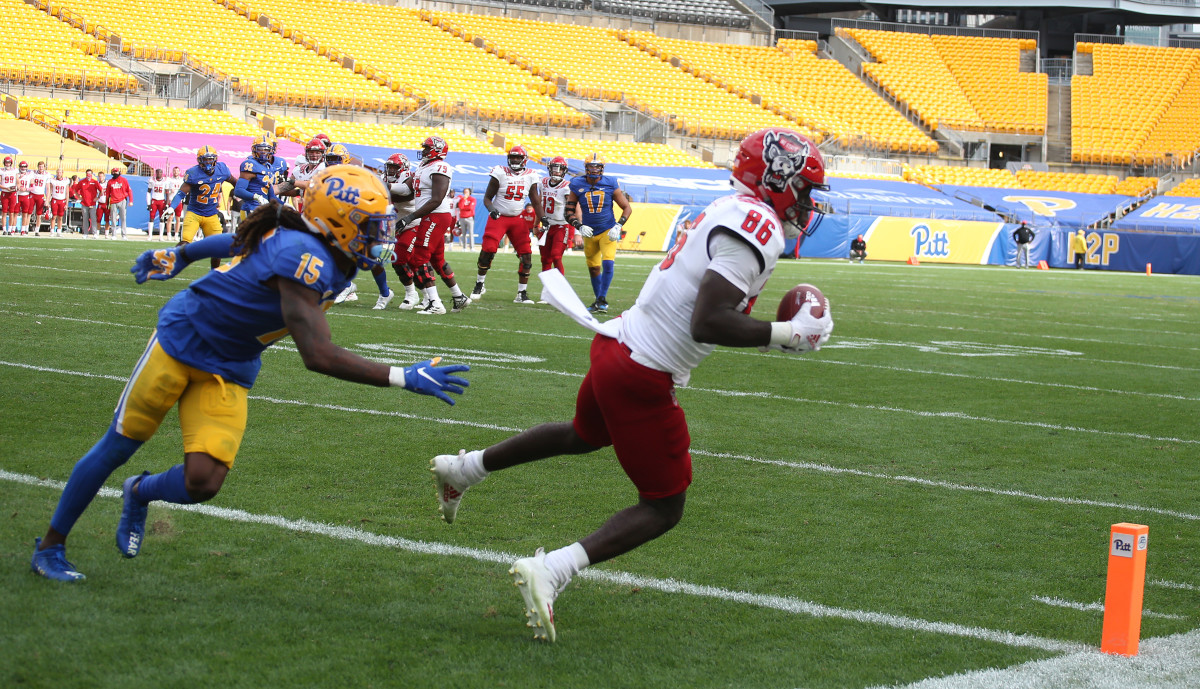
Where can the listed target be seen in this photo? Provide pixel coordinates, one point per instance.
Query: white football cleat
(478, 292)
(410, 302)
(523, 298)
(532, 577)
(382, 301)
(433, 308)
(451, 484)
(348, 294)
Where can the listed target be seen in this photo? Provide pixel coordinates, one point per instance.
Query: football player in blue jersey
(278, 165)
(201, 187)
(255, 184)
(594, 197)
(206, 351)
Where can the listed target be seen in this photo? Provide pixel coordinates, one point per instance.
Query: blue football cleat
(52, 563)
(132, 527)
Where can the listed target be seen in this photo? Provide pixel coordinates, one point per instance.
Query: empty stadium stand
(260, 65)
(594, 63)
(964, 82)
(829, 86)
(1139, 106)
(42, 51)
(1190, 187)
(301, 130)
(39, 144)
(543, 148)
(963, 176)
(1137, 186)
(392, 44)
(137, 116)
(1066, 181)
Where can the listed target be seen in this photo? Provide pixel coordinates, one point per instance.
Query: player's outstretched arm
(164, 264)
(310, 331)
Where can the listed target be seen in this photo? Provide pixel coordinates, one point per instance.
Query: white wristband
(396, 377)
(781, 333)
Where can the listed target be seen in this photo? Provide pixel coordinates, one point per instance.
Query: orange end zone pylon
(1042, 265)
(1123, 593)
(914, 261)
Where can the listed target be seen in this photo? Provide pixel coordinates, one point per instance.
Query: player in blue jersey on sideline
(201, 187)
(205, 353)
(255, 184)
(594, 196)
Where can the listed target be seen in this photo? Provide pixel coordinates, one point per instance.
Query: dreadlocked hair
(264, 219)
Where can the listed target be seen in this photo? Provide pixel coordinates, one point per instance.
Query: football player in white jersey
(697, 298)
(60, 189)
(157, 188)
(427, 252)
(555, 193)
(504, 200)
(398, 178)
(171, 216)
(8, 195)
(23, 204)
(307, 166)
(38, 209)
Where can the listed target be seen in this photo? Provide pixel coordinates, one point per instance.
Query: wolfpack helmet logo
(336, 188)
(785, 154)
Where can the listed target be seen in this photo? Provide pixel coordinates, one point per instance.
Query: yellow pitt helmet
(350, 207)
(593, 167)
(337, 155)
(206, 158)
(261, 148)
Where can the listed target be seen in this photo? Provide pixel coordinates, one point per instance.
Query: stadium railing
(933, 29)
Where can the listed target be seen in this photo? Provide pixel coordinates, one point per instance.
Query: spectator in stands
(119, 194)
(1079, 247)
(88, 191)
(858, 248)
(466, 217)
(1023, 235)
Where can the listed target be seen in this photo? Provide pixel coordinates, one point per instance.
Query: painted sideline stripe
(1166, 662)
(781, 603)
(1044, 336)
(806, 466)
(933, 483)
(1097, 606)
(1173, 585)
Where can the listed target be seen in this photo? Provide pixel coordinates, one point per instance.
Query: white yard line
(780, 603)
(1097, 607)
(804, 466)
(1169, 662)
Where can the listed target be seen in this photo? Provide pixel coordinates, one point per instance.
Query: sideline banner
(1164, 214)
(178, 149)
(1045, 208)
(897, 199)
(1131, 251)
(931, 240)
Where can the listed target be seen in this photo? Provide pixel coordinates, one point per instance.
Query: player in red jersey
(698, 297)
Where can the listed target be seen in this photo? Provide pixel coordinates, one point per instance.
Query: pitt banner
(932, 241)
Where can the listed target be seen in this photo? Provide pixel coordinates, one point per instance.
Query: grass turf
(1060, 385)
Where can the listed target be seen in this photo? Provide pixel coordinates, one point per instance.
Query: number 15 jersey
(738, 237)
(223, 321)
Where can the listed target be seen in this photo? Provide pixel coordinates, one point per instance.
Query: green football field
(928, 496)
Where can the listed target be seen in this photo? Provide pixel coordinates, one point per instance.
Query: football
(799, 296)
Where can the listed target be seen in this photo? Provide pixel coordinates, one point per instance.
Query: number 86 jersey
(739, 238)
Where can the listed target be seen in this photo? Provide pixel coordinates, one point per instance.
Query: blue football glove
(425, 379)
(158, 264)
